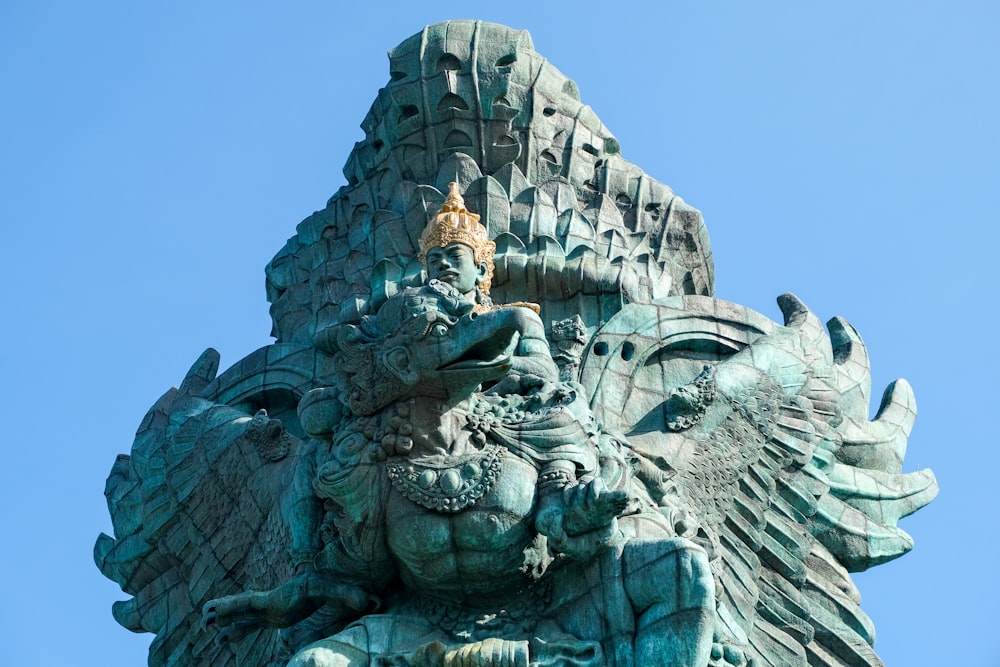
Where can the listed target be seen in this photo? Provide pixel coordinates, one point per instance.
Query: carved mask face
(439, 345)
(455, 265)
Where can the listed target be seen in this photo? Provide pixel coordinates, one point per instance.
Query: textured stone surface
(586, 460)
(577, 227)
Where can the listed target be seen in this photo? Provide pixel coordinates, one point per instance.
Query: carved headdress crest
(456, 224)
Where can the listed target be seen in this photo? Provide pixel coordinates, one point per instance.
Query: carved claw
(247, 608)
(285, 605)
(235, 632)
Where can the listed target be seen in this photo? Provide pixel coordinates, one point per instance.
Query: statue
(420, 472)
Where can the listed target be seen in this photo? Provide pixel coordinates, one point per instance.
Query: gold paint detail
(456, 224)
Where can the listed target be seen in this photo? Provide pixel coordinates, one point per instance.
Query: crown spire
(454, 201)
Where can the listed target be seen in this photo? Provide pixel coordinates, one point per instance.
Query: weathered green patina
(504, 421)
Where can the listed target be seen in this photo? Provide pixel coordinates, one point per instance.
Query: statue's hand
(285, 605)
(590, 506)
(237, 615)
(581, 520)
(516, 383)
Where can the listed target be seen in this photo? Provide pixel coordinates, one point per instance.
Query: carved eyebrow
(439, 318)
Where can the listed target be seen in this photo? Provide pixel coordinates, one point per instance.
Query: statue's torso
(476, 551)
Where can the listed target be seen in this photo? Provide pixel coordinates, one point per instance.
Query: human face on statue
(455, 264)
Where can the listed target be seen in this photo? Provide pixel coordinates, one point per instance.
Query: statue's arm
(531, 364)
(533, 358)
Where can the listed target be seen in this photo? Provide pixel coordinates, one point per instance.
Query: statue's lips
(448, 277)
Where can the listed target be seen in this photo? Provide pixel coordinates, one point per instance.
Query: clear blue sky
(154, 156)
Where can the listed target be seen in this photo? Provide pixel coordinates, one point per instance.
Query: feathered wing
(199, 508)
(787, 483)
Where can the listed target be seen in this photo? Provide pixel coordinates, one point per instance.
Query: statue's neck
(437, 424)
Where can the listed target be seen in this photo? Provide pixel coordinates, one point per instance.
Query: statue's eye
(438, 330)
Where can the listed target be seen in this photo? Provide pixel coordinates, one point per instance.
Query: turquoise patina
(505, 421)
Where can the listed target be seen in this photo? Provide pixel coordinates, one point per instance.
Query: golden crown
(456, 224)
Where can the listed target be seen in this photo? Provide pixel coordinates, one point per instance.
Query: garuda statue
(504, 422)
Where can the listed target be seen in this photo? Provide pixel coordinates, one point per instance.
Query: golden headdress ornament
(456, 224)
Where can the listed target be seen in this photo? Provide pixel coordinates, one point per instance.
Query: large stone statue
(505, 423)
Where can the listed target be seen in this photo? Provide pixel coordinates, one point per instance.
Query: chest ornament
(447, 484)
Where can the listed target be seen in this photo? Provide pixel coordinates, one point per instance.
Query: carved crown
(456, 224)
